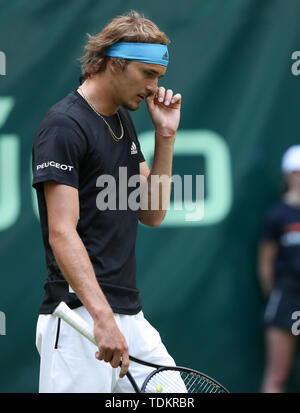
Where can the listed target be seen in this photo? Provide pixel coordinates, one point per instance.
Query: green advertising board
(232, 61)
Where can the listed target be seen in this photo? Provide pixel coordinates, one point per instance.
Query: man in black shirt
(85, 141)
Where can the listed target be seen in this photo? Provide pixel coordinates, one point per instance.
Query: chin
(131, 106)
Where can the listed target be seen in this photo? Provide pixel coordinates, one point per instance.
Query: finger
(161, 94)
(168, 97)
(105, 355)
(116, 359)
(150, 101)
(108, 355)
(176, 98)
(99, 355)
(125, 364)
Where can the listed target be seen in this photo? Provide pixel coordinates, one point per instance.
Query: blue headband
(141, 52)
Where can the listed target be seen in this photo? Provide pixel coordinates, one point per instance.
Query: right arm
(73, 260)
(266, 257)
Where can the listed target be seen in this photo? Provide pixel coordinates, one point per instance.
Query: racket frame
(179, 369)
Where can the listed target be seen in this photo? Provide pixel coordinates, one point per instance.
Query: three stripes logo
(133, 149)
(165, 56)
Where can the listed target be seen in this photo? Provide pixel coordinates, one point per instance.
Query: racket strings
(173, 381)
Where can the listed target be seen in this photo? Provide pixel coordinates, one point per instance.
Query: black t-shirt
(282, 225)
(74, 147)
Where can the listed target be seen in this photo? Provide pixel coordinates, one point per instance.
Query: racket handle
(74, 320)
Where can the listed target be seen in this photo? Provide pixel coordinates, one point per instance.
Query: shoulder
(277, 212)
(57, 119)
(59, 131)
(67, 113)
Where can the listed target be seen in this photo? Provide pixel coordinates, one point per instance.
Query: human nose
(153, 86)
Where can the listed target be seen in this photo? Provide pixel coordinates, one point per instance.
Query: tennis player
(90, 250)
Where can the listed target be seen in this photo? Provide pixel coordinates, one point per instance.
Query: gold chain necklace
(114, 136)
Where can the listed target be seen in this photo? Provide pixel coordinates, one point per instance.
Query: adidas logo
(133, 149)
(165, 56)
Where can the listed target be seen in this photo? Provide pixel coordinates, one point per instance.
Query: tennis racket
(163, 379)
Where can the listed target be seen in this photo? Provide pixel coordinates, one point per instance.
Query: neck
(292, 197)
(97, 90)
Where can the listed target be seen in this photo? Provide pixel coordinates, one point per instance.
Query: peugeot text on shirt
(54, 165)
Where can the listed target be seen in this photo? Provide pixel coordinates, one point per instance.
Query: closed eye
(152, 74)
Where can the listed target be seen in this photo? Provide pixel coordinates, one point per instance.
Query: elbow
(152, 221)
(153, 224)
(58, 235)
(54, 237)
(150, 224)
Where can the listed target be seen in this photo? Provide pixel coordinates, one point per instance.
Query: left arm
(164, 110)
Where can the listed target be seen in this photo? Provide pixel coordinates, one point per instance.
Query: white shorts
(68, 363)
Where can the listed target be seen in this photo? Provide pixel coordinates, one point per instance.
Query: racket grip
(74, 320)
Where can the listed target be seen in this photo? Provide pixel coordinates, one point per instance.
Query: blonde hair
(132, 27)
